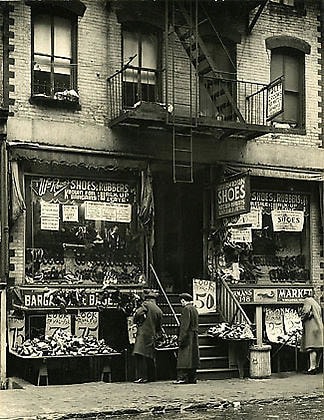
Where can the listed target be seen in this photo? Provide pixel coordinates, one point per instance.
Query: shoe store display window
(82, 232)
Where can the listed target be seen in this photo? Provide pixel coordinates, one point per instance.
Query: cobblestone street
(82, 400)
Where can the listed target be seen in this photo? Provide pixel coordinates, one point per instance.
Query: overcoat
(188, 353)
(312, 337)
(149, 318)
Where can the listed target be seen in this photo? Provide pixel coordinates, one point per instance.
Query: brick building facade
(111, 92)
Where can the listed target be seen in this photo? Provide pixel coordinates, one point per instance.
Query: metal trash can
(260, 365)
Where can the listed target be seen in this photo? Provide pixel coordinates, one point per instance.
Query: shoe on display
(141, 381)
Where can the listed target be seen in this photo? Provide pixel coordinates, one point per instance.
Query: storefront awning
(80, 158)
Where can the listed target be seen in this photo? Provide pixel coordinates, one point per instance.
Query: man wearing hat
(188, 353)
(148, 318)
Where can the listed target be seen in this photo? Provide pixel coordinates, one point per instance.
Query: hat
(186, 296)
(150, 293)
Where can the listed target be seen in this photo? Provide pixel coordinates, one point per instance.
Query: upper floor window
(53, 54)
(141, 77)
(289, 62)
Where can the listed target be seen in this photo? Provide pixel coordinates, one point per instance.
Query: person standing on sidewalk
(188, 353)
(312, 337)
(148, 318)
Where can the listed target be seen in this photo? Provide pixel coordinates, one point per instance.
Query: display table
(98, 363)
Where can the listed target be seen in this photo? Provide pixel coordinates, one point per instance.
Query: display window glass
(268, 245)
(82, 231)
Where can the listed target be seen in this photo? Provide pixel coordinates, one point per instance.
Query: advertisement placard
(16, 331)
(275, 98)
(87, 324)
(204, 295)
(55, 322)
(233, 196)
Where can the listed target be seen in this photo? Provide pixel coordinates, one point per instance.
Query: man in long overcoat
(312, 338)
(188, 353)
(148, 318)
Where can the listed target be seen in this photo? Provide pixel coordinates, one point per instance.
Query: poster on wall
(132, 329)
(56, 322)
(16, 331)
(87, 324)
(274, 324)
(50, 216)
(287, 220)
(252, 219)
(108, 212)
(70, 213)
(275, 98)
(292, 320)
(204, 295)
(241, 234)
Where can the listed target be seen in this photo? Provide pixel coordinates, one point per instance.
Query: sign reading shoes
(233, 196)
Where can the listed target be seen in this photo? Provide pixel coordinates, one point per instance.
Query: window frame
(133, 27)
(52, 13)
(300, 57)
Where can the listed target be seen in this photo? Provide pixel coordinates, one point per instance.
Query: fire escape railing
(129, 86)
(228, 305)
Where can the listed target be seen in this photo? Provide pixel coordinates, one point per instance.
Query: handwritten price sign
(87, 324)
(16, 331)
(204, 295)
(57, 321)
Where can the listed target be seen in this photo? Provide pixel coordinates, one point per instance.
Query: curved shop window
(82, 231)
(268, 245)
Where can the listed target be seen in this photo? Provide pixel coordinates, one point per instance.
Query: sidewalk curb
(175, 408)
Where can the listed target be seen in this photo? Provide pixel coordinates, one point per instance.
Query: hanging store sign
(56, 322)
(287, 220)
(275, 98)
(132, 329)
(252, 219)
(266, 296)
(241, 235)
(233, 196)
(16, 331)
(204, 295)
(87, 324)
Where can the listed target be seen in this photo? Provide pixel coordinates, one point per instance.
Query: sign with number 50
(204, 295)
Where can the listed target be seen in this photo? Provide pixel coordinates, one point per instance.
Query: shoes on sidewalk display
(141, 381)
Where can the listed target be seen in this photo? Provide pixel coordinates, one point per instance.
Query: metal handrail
(237, 305)
(165, 295)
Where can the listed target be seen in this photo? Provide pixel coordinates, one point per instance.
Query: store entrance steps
(214, 353)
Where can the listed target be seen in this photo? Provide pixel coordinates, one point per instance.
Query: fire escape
(197, 96)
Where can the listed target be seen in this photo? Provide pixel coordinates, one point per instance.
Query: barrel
(260, 365)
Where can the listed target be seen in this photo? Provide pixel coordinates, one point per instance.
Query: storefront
(264, 243)
(79, 256)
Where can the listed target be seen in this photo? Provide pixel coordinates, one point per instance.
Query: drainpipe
(4, 199)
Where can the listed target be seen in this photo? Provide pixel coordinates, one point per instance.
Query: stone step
(213, 362)
(217, 373)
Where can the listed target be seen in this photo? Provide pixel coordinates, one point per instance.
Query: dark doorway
(178, 249)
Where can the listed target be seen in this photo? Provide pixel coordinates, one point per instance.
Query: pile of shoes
(235, 331)
(63, 344)
(166, 341)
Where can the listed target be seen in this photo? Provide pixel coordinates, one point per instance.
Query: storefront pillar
(259, 327)
(3, 346)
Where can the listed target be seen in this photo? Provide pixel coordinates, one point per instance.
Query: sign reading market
(233, 196)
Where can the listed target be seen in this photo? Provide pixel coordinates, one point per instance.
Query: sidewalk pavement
(100, 398)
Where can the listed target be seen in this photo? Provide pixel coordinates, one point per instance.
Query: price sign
(132, 329)
(57, 321)
(87, 324)
(16, 331)
(204, 295)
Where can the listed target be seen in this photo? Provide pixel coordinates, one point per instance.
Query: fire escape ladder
(218, 90)
(182, 154)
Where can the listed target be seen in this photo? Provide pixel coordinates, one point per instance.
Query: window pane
(42, 63)
(62, 37)
(149, 51)
(62, 66)
(130, 47)
(291, 107)
(291, 73)
(42, 34)
(276, 66)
